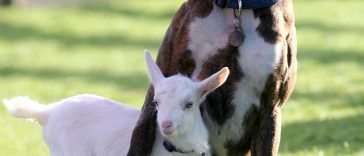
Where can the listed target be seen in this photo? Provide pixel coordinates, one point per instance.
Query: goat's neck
(196, 139)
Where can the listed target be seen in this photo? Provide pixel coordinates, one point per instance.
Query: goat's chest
(256, 60)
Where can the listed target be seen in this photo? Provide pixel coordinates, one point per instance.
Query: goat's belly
(89, 125)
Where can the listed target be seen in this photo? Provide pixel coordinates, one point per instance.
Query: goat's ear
(214, 81)
(154, 73)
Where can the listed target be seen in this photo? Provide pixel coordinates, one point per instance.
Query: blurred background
(50, 50)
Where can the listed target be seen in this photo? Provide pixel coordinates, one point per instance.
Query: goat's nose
(167, 124)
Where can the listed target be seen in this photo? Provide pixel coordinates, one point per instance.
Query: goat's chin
(173, 134)
(176, 134)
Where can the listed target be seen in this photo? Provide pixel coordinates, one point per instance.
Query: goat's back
(89, 125)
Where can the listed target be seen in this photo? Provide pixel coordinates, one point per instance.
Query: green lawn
(52, 53)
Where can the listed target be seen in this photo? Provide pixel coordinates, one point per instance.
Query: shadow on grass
(333, 98)
(133, 81)
(129, 11)
(14, 33)
(328, 28)
(328, 57)
(323, 134)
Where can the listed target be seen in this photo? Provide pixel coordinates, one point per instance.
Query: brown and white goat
(244, 115)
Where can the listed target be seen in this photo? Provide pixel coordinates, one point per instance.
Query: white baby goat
(90, 125)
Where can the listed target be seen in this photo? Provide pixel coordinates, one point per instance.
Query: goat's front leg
(143, 136)
(266, 141)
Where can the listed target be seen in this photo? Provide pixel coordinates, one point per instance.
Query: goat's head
(178, 98)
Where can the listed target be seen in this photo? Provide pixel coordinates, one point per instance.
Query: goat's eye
(188, 105)
(155, 103)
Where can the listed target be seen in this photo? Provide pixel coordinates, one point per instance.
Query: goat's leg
(266, 141)
(143, 136)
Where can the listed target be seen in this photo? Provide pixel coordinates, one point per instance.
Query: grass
(52, 53)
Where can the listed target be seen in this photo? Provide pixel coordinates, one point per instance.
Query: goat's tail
(24, 107)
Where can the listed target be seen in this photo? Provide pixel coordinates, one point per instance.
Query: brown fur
(242, 146)
(279, 85)
(144, 130)
(218, 103)
(200, 8)
(186, 64)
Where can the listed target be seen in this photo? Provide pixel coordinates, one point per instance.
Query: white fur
(209, 34)
(172, 94)
(90, 125)
(81, 125)
(31, 110)
(257, 60)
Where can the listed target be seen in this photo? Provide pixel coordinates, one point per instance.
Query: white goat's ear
(154, 73)
(214, 81)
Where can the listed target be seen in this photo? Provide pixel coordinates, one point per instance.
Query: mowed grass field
(50, 53)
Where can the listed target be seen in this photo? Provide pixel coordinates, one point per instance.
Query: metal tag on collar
(236, 38)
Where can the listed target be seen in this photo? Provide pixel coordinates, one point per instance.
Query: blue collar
(247, 4)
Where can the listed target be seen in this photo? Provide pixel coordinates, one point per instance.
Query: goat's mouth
(169, 132)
